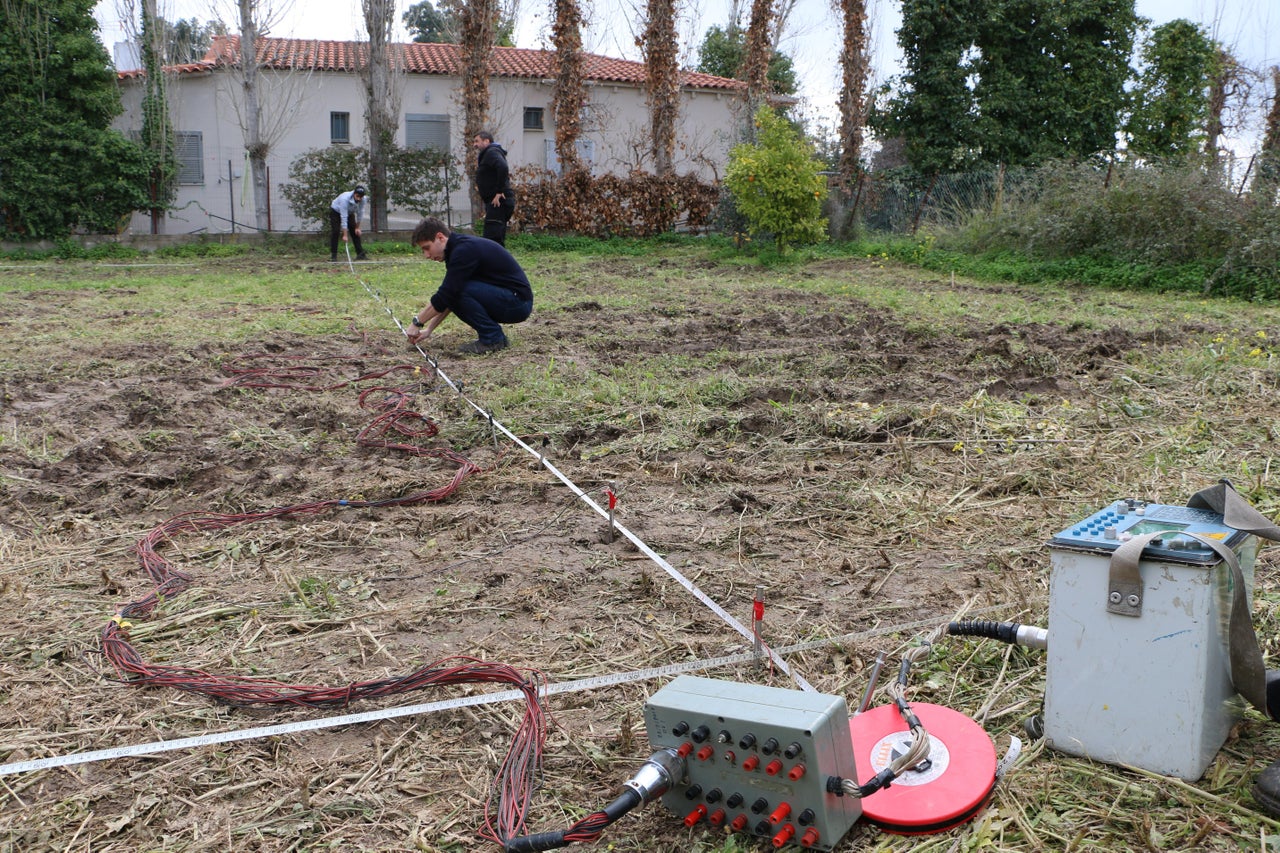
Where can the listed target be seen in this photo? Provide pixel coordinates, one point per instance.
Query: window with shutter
(189, 149)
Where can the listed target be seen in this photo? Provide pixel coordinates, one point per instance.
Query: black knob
(759, 805)
(769, 747)
(792, 750)
(806, 817)
(748, 741)
(680, 728)
(714, 795)
(724, 737)
(734, 801)
(700, 734)
(693, 792)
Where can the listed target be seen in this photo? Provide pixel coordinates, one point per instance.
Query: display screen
(1156, 527)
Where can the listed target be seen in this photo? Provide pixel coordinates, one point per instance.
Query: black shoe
(362, 257)
(480, 348)
(1266, 789)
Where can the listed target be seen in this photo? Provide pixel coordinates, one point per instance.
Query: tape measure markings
(671, 570)
(590, 683)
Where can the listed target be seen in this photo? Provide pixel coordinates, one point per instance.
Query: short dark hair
(486, 135)
(427, 230)
(359, 191)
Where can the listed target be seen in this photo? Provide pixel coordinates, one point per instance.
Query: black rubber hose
(1004, 631)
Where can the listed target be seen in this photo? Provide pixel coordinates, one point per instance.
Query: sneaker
(362, 257)
(480, 348)
(1266, 789)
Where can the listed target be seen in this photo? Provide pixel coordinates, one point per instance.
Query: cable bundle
(290, 375)
(919, 749)
(508, 804)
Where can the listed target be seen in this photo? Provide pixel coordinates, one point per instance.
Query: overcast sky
(1250, 27)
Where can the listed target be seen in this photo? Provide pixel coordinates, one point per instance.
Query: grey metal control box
(758, 759)
(1148, 686)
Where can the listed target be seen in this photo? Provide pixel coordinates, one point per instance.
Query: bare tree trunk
(662, 76)
(479, 30)
(254, 143)
(855, 65)
(758, 52)
(1217, 106)
(383, 107)
(566, 34)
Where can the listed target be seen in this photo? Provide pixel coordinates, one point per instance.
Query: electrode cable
(551, 689)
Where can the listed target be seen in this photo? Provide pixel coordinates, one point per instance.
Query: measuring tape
(671, 570)
(592, 683)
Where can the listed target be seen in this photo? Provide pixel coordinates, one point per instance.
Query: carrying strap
(1248, 672)
(1125, 590)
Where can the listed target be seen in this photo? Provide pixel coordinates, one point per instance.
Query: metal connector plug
(657, 775)
(1032, 637)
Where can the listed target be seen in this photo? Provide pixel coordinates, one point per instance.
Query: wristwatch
(416, 322)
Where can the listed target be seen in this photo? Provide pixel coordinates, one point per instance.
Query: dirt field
(874, 471)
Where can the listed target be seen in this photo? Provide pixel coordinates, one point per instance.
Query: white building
(312, 96)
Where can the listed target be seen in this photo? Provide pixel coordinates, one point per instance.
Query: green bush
(417, 179)
(1162, 227)
(204, 249)
(319, 176)
(776, 183)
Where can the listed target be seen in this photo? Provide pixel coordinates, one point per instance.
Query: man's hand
(423, 332)
(497, 200)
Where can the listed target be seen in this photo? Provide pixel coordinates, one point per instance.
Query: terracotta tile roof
(321, 55)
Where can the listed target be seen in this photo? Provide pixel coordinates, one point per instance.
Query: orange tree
(776, 183)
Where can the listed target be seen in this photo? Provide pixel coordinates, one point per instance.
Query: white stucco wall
(296, 109)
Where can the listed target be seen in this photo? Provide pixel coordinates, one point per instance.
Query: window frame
(336, 117)
(188, 148)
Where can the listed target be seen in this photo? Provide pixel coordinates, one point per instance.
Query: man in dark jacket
(493, 181)
(483, 284)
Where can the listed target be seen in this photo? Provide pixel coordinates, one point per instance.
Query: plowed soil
(871, 473)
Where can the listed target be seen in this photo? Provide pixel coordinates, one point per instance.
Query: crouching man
(483, 285)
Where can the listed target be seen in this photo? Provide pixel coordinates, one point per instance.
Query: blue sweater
(469, 258)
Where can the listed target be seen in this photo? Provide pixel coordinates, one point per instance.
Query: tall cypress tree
(61, 166)
(1009, 81)
(1051, 78)
(933, 109)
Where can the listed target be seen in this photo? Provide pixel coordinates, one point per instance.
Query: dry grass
(877, 447)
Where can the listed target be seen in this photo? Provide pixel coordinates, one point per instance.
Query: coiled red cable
(507, 807)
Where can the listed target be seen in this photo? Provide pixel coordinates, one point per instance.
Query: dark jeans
(335, 232)
(496, 218)
(484, 306)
